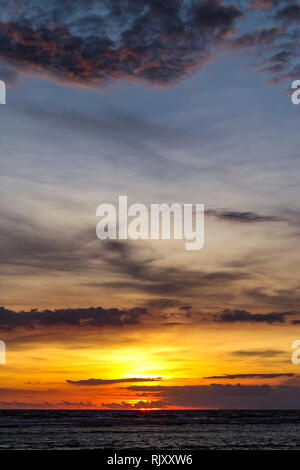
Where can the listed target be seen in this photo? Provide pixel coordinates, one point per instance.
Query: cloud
(24, 405)
(73, 317)
(85, 404)
(8, 73)
(36, 249)
(136, 406)
(21, 405)
(258, 352)
(99, 40)
(158, 42)
(28, 245)
(243, 217)
(31, 248)
(264, 4)
(97, 382)
(286, 298)
(274, 47)
(146, 276)
(289, 13)
(250, 376)
(261, 40)
(235, 316)
(224, 396)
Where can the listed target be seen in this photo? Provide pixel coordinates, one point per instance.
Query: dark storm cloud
(249, 376)
(90, 41)
(224, 396)
(289, 13)
(96, 382)
(80, 317)
(237, 316)
(157, 41)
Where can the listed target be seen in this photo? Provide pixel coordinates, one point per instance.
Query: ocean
(193, 429)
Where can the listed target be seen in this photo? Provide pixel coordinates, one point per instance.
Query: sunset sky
(163, 101)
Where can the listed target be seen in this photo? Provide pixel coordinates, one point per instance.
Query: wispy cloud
(97, 382)
(250, 376)
(258, 352)
(235, 316)
(243, 217)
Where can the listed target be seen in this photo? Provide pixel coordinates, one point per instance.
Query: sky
(178, 101)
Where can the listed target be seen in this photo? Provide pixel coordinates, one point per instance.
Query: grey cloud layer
(30, 248)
